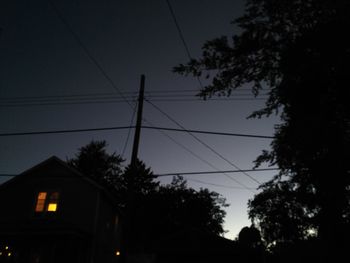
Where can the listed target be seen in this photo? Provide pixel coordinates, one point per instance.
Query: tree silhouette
(159, 210)
(299, 51)
(250, 243)
(177, 207)
(94, 161)
(250, 237)
(201, 209)
(283, 214)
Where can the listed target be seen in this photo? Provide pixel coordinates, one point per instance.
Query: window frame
(47, 201)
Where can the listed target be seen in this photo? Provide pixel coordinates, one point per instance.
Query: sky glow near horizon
(40, 57)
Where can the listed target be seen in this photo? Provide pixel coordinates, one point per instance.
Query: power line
(172, 12)
(172, 96)
(179, 30)
(87, 51)
(199, 173)
(111, 101)
(64, 103)
(201, 159)
(132, 94)
(200, 141)
(131, 127)
(209, 132)
(63, 131)
(211, 100)
(218, 172)
(200, 83)
(220, 185)
(195, 173)
(88, 97)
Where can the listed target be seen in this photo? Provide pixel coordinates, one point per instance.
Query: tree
(94, 161)
(159, 209)
(281, 214)
(201, 209)
(175, 207)
(250, 243)
(298, 50)
(250, 237)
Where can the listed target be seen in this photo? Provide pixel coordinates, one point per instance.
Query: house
(52, 213)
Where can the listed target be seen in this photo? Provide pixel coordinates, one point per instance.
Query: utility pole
(135, 147)
(128, 236)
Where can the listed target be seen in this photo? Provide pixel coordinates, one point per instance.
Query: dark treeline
(158, 211)
(299, 50)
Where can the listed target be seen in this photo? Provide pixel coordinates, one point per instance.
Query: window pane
(40, 203)
(52, 207)
(53, 202)
(42, 195)
(54, 196)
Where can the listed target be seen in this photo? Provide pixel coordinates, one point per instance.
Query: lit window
(52, 207)
(53, 202)
(47, 202)
(40, 203)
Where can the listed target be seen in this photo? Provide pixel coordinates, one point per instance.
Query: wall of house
(76, 205)
(82, 207)
(108, 232)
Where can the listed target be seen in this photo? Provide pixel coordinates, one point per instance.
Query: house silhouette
(53, 213)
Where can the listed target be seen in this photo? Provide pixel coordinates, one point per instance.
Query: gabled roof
(55, 167)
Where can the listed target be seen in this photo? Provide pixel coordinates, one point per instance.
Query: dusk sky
(65, 69)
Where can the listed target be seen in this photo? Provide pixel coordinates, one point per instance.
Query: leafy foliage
(176, 207)
(299, 51)
(280, 213)
(159, 209)
(94, 161)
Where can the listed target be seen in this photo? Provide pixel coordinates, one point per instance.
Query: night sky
(53, 68)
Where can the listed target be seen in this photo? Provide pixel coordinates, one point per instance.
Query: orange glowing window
(47, 202)
(40, 202)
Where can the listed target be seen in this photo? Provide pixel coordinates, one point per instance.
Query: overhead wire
(111, 101)
(91, 57)
(172, 12)
(218, 172)
(87, 51)
(210, 132)
(200, 141)
(64, 131)
(97, 64)
(126, 95)
(202, 159)
(181, 35)
(220, 185)
(144, 127)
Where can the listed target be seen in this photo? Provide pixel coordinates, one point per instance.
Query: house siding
(82, 228)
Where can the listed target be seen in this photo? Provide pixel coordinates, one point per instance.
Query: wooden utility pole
(135, 147)
(128, 236)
